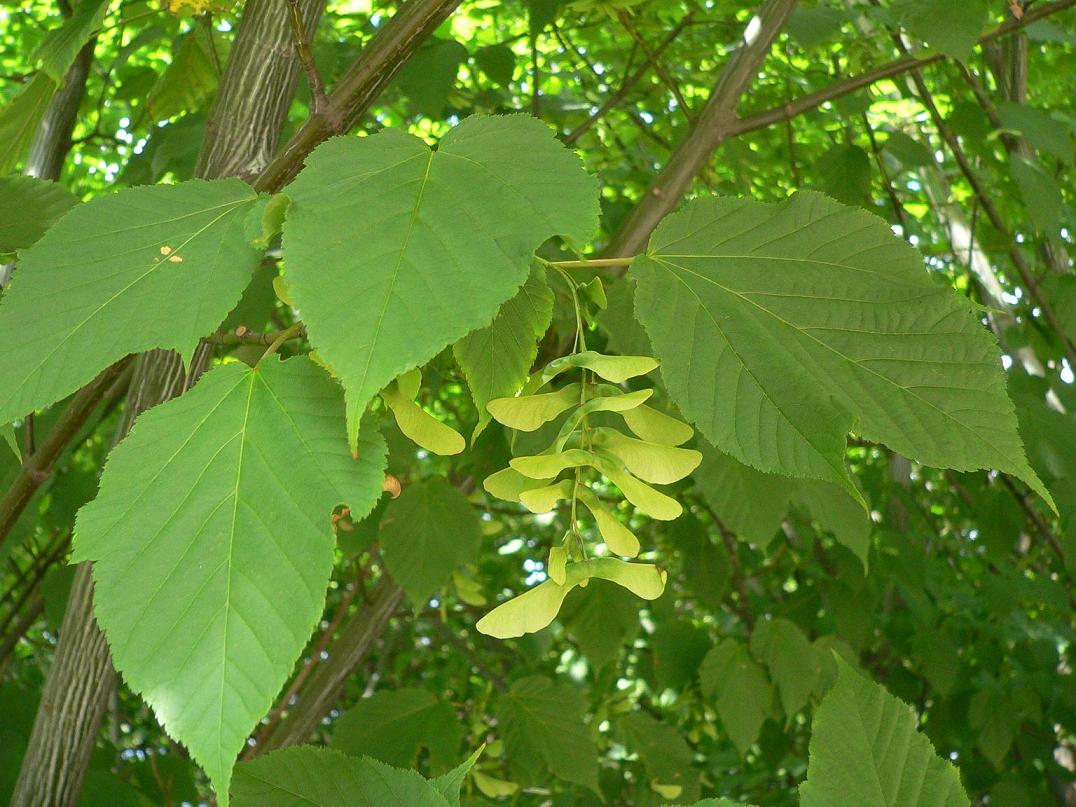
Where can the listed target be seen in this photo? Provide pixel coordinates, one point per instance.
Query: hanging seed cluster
(643, 449)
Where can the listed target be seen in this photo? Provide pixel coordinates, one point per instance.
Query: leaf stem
(284, 336)
(590, 263)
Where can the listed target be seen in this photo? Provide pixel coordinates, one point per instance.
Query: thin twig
(655, 62)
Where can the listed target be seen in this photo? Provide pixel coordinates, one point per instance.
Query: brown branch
(241, 336)
(326, 682)
(320, 102)
(710, 130)
(273, 718)
(36, 469)
(778, 114)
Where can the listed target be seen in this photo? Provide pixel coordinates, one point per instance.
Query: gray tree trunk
(243, 132)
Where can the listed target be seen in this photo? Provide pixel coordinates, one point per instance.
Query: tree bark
(82, 677)
(242, 131)
(237, 142)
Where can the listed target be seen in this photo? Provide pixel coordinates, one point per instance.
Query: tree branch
(628, 84)
(110, 384)
(710, 130)
(839, 89)
(360, 86)
(324, 685)
(1027, 276)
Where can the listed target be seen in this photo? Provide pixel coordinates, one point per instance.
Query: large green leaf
(391, 725)
(395, 251)
(664, 753)
(542, 724)
(307, 776)
(865, 752)
(425, 534)
(144, 268)
(212, 542)
(739, 689)
(782, 326)
(497, 359)
(28, 207)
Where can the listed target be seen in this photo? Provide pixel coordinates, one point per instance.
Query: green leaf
(436, 241)
(910, 152)
(846, 174)
(716, 803)
(61, 45)
(811, 26)
(544, 720)
(430, 74)
(189, 80)
(678, 647)
(865, 751)
(626, 335)
(793, 662)
(425, 534)
(28, 207)
(1060, 290)
(1039, 192)
(392, 725)
(7, 433)
(449, 784)
(601, 618)
(212, 542)
(949, 26)
(740, 691)
(806, 318)
(750, 503)
(664, 753)
(1041, 130)
(705, 562)
(497, 359)
(837, 512)
(19, 119)
(307, 776)
(183, 266)
(498, 62)
(996, 720)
